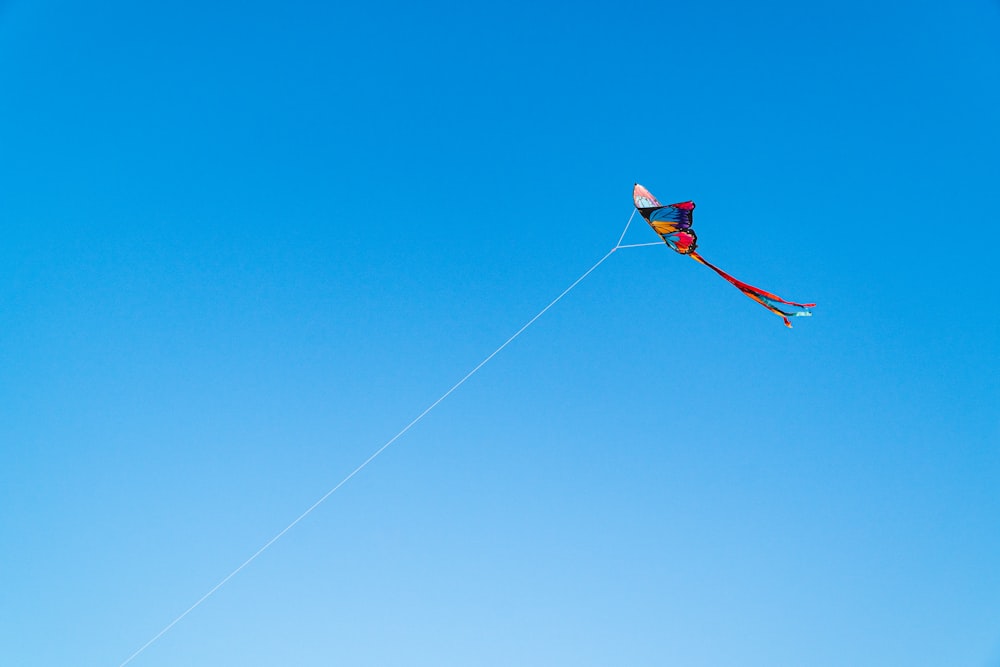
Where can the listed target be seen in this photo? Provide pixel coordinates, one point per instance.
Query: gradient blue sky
(243, 244)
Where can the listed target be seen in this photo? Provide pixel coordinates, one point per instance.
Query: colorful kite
(673, 223)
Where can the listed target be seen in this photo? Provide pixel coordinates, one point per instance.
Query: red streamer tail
(775, 304)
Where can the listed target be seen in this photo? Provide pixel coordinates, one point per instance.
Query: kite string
(639, 245)
(378, 451)
(625, 231)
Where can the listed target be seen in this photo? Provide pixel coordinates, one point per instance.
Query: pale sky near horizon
(243, 244)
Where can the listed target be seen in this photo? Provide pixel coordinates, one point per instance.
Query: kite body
(673, 222)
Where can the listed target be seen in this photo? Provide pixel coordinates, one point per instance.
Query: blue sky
(244, 244)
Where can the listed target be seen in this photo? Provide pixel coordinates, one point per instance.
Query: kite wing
(673, 223)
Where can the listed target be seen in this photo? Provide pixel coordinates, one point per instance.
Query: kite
(673, 223)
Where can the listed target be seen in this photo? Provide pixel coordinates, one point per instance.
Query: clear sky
(242, 244)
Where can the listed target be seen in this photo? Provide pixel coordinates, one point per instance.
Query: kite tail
(766, 299)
